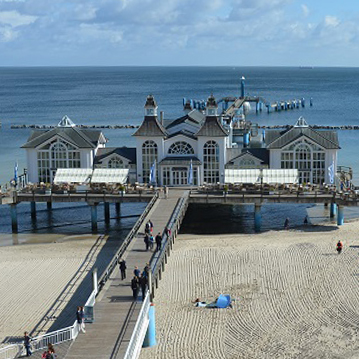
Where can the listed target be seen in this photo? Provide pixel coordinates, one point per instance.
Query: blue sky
(179, 32)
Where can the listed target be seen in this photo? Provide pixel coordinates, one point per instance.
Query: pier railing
(109, 269)
(139, 332)
(159, 259)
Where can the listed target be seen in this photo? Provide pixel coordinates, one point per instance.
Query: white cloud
(331, 21)
(14, 19)
(305, 10)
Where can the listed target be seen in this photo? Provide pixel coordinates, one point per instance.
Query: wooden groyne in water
(119, 127)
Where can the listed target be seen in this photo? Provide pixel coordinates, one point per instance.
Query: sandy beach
(41, 283)
(295, 297)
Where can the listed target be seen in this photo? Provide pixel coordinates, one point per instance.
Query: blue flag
(153, 173)
(190, 174)
(15, 173)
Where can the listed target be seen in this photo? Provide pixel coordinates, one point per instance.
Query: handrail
(138, 334)
(109, 269)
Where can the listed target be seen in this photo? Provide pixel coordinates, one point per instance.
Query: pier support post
(94, 217)
(257, 217)
(118, 209)
(340, 219)
(333, 210)
(49, 205)
(33, 210)
(150, 338)
(13, 212)
(107, 212)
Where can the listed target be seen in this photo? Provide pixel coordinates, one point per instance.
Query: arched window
(181, 148)
(211, 162)
(115, 163)
(59, 155)
(308, 158)
(54, 155)
(149, 155)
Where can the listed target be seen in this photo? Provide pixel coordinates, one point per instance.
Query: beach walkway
(115, 312)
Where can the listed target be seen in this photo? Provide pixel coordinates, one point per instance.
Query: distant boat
(306, 67)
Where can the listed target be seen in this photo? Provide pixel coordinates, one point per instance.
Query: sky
(179, 33)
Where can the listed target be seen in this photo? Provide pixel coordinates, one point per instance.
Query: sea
(116, 96)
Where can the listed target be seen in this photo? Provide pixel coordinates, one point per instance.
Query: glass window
(181, 148)
(211, 162)
(115, 163)
(149, 155)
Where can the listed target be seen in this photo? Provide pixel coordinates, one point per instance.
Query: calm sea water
(116, 95)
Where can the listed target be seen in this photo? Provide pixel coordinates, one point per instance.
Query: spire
(66, 122)
(150, 106)
(211, 106)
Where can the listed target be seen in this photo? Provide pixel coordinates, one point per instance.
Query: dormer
(150, 106)
(211, 106)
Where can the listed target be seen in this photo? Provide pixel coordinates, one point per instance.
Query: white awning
(110, 175)
(255, 175)
(280, 176)
(73, 175)
(242, 176)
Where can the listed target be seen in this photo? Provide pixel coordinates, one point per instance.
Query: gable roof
(150, 127)
(79, 137)
(281, 138)
(126, 152)
(261, 154)
(212, 128)
(194, 118)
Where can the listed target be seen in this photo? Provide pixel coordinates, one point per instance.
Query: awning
(280, 176)
(73, 175)
(110, 175)
(242, 176)
(183, 161)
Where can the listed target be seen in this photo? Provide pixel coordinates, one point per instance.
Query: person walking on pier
(80, 317)
(27, 345)
(122, 265)
(136, 272)
(147, 241)
(158, 242)
(135, 287)
(166, 192)
(143, 285)
(339, 246)
(152, 241)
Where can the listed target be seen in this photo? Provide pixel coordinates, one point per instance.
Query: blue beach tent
(223, 301)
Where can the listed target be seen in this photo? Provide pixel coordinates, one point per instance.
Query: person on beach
(143, 284)
(136, 272)
(27, 344)
(158, 241)
(339, 246)
(135, 287)
(286, 223)
(306, 221)
(122, 265)
(147, 241)
(80, 316)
